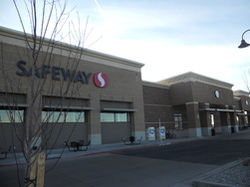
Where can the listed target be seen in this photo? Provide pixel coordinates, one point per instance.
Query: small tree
(43, 51)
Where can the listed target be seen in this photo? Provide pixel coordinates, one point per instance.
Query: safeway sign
(100, 79)
(58, 73)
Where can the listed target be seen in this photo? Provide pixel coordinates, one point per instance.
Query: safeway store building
(100, 95)
(88, 95)
(195, 105)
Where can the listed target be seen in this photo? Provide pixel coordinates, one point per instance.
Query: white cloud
(170, 37)
(163, 60)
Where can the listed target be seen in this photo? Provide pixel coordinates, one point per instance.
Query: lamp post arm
(244, 33)
(243, 43)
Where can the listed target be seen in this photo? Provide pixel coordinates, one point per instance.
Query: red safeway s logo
(100, 79)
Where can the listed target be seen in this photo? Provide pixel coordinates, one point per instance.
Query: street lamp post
(243, 43)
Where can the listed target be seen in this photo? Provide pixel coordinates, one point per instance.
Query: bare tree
(43, 55)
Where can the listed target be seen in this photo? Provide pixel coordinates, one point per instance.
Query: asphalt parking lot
(175, 164)
(209, 151)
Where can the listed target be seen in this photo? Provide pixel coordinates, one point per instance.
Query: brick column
(245, 118)
(94, 128)
(206, 121)
(233, 121)
(193, 117)
(225, 121)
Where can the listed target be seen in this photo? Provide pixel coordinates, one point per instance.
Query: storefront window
(115, 117)
(11, 116)
(69, 117)
(212, 120)
(107, 117)
(122, 117)
(178, 122)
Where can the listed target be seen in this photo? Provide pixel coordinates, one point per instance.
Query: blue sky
(170, 37)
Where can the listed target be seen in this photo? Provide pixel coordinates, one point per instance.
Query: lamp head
(243, 44)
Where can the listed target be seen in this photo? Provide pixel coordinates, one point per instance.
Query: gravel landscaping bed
(233, 174)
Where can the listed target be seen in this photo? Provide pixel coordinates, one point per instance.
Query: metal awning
(79, 108)
(13, 105)
(221, 110)
(118, 110)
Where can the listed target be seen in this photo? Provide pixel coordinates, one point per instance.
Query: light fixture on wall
(243, 43)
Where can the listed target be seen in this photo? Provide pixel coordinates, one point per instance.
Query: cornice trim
(194, 77)
(16, 38)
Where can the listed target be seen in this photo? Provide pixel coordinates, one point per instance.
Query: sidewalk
(94, 149)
